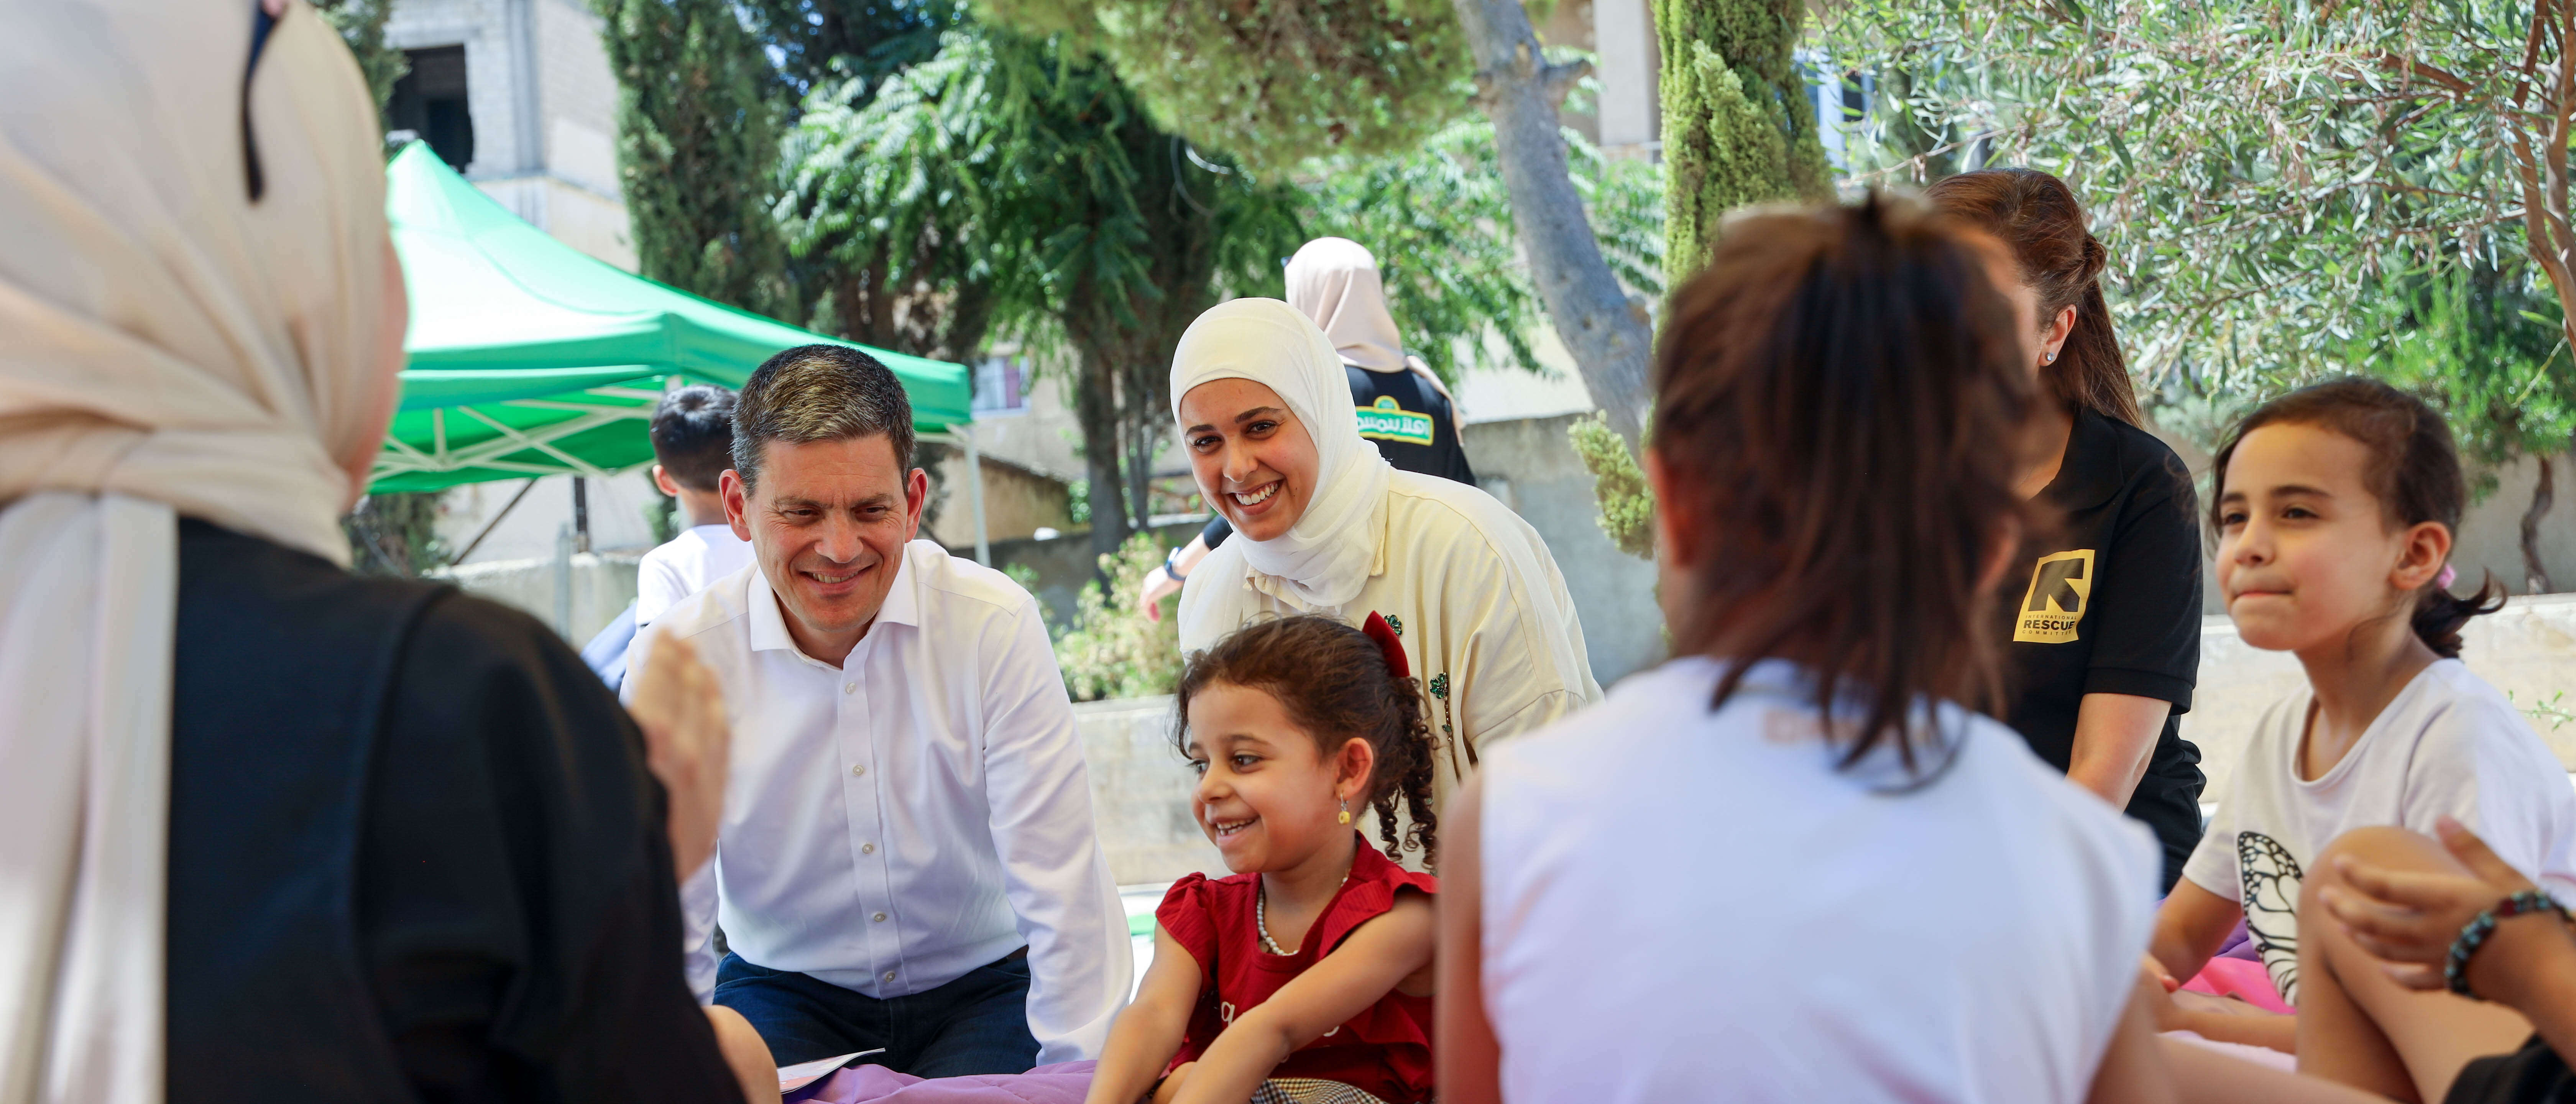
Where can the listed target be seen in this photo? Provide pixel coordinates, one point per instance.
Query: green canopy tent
(529, 358)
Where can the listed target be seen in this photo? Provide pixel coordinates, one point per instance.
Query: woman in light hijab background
(1323, 524)
(269, 830)
(1404, 409)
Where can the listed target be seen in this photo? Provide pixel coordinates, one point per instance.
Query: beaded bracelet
(2455, 971)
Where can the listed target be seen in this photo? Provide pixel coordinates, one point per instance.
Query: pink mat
(1062, 1083)
(2236, 977)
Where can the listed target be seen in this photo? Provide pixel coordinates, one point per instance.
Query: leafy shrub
(1111, 650)
(1627, 503)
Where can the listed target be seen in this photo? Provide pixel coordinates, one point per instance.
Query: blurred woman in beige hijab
(267, 829)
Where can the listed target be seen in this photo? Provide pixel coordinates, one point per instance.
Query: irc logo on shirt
(2059, 587)
(1385, 421)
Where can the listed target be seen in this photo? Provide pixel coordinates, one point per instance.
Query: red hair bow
(1379, 630)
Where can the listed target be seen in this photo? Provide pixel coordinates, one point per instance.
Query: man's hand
(687, 744)
(2411, 918)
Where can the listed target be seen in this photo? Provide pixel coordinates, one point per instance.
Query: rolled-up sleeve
(1081, 961)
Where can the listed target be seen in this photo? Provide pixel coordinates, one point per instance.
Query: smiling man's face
(828, 521)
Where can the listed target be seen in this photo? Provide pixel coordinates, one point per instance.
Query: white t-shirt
(2448, 743)
(1686, 905)
(685, 566)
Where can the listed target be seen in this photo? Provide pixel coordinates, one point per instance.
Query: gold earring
(1346, 811)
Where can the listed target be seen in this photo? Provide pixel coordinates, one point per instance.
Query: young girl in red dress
(1304, 977)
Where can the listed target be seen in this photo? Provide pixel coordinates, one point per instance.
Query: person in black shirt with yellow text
(1404, 410)
(2104, 613)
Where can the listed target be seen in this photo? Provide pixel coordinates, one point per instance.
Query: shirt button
(856, 769)
(879, 918)
(849, 688)
(889, 976)
(867, 849)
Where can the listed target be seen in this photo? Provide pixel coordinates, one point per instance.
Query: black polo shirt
(2109, 603)
(1407, 419)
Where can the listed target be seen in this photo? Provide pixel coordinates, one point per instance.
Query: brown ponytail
(2038, 217)
(2414, 472)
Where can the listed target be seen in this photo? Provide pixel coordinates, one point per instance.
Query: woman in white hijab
(1404, 409)
(268, 829)
(1322, 524)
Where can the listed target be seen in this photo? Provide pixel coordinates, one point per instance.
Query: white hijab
(171, 348)
(1335, 281)
(1324, 559)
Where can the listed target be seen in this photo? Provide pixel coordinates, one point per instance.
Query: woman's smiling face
(1255, 462)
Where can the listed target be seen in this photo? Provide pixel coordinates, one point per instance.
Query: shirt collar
(2090, 473)
(769, 619)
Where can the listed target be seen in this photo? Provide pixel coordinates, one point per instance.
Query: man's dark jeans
(976, 1024)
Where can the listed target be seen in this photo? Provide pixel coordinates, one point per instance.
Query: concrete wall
(1530, 465)
(600, 586)
(2528, 650)
(1017, 503)
(1063, 564)
(1140, 792)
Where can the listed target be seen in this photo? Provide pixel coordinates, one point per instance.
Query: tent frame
(400, 458)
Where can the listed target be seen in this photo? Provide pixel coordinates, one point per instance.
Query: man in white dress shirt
(907, 858)
(692, 447)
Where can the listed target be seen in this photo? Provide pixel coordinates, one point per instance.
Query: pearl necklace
(1261, 922)
(1261, 918)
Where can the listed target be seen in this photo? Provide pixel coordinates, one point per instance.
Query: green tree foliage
(361, 24)
(2288, 191)
(1627, 503)
(1018, 181)
(1110, 651)
(1274, 82)
(817, 42)
(1440, 222)
(697, 149)
(395, 534)
(1737, 125)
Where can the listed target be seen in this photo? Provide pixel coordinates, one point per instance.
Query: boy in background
(693, 445)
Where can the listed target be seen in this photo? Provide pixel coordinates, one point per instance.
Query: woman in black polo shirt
(2104, 627)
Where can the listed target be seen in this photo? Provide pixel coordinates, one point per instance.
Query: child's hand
(2156, 987)
(2410, 919)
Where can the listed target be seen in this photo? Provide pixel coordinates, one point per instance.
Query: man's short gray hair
(819, 393)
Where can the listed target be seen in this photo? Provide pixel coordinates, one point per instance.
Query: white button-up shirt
(916, 812)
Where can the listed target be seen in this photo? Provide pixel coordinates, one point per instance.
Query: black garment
(2110, 604)
(1411, 424)
(414, 852)
(2533, 1075)
(978, 1023)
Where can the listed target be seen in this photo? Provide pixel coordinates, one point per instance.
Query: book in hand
(792, 1078)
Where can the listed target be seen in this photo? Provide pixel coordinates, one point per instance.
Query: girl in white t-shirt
(1786, 867)
(2335, 507)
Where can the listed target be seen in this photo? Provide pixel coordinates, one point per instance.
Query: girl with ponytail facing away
(2335, 511)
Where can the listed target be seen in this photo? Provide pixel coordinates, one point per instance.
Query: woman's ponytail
(2035, 215)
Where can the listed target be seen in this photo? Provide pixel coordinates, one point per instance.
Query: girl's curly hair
(1337, 685)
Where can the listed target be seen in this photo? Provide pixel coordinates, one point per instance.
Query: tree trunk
(1517, 88)
(1095, 409)
(2544, 494)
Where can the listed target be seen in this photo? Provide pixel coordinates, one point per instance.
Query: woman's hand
(2411, 918)
(687, 744)
(1158, 585)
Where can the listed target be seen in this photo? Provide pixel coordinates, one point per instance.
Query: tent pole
(975, 494)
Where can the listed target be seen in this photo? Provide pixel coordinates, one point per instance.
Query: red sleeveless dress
(1385, 1050)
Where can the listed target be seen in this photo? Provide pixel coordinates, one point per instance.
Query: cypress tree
(1737, 125)
(697, 149)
